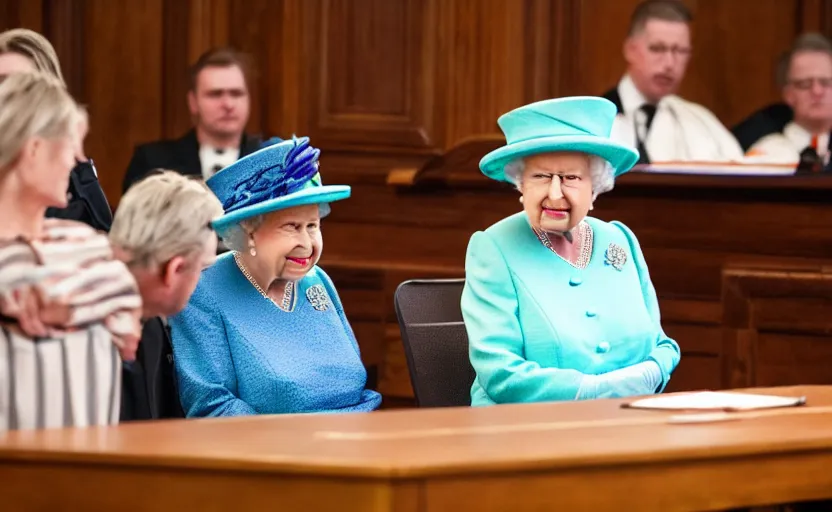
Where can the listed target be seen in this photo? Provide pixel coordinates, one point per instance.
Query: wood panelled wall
(400, 78)
(384, 84)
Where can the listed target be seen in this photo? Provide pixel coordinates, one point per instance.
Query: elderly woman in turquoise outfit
(265, 332)
(559, 305)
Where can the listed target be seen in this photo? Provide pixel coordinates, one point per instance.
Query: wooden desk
(569, 456)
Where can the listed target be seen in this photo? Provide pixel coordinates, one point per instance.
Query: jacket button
(603, 347)
(575, 280)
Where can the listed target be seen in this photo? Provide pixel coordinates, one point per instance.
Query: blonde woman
(69, 374)
(22, 50)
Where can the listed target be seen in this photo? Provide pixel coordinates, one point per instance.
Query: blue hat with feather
(281, 174)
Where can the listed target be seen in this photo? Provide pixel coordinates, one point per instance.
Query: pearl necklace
(585, 237)
(287, 304)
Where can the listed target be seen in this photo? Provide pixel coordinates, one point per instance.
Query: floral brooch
(318, 297)
(615, 256)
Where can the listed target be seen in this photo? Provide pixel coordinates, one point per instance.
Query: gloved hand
(638, 379)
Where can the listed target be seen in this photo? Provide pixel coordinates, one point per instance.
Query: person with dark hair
(219, 103)
(23, 50)
(804, 75)
(660, 124)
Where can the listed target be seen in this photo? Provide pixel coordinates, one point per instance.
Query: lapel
(614, 97)
(188, 150)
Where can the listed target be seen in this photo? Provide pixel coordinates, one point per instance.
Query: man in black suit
(219, 103)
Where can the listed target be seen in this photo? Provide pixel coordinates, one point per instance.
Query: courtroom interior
(416, 255)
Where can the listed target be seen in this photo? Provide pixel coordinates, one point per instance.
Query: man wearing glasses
(805, 77)
(661, 125)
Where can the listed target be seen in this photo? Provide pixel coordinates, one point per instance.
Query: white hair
(600, 170)
(236, 236)
(163, 216)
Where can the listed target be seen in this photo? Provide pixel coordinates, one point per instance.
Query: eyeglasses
(804, 84)
(660, 50)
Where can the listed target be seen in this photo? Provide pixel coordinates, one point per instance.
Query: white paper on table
(719, 169)
(716, 400)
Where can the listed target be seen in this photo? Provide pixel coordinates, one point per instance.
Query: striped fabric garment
(73, 381)
(73, 376)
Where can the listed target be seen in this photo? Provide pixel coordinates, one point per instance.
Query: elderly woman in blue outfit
(264, 332)
(559, 305)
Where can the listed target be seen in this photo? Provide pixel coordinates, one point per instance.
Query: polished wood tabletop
(417, 443)
(592, 455)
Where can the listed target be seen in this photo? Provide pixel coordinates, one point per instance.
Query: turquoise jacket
(537, 325)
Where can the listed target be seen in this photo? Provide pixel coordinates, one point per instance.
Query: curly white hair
(602, 173)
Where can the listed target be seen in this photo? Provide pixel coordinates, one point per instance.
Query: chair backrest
(435, 341)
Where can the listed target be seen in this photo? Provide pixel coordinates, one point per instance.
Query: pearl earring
(521, 199)
(251, 249)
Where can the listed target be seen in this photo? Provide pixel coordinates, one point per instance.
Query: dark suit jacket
(149, 388)
(614, 97)
(767, 120)
(87, 202)
(181, 155)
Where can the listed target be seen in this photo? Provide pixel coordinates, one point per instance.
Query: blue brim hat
(580, 124)
(282, 175)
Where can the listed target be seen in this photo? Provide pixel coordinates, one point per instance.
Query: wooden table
(570, 456)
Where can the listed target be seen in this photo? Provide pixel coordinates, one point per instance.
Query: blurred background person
(26, 50)
(219, 104)
(805, 78)
(661, 125)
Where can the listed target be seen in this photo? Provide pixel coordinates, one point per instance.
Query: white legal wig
(236, 236)
(600, 170)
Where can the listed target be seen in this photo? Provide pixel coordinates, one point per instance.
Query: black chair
(435, 341)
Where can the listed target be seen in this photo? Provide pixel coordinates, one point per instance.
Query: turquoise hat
(281, 175)
(581, 124)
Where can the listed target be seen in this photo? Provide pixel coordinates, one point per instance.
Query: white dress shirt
(213, 159)
(786, 146)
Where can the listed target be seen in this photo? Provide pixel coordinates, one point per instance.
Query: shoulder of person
(166, 145)
(777, 139)
(611, 232)
(317, 275)
(508, 227)
(677, 101)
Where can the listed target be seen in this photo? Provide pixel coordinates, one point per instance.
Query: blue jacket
(236, 353)
(537, 325)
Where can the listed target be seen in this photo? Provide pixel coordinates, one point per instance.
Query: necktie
(649, 113)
